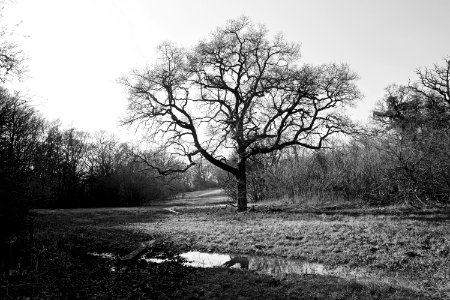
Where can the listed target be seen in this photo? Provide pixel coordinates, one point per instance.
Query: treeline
(402, 157)
(43, 165)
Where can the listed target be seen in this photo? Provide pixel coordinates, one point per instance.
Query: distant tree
(103, 156)
(415, 122)
(421, 105)
(20, 130)
(16, 138)
(59, 166)
(202, 175)
(238, 91)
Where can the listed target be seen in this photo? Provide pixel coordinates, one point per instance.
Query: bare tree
(241, 92)
(434, 83)
(11, 59)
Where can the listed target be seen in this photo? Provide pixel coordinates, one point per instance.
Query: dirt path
(197, 199)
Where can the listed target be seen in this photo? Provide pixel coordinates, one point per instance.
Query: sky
(77, 49)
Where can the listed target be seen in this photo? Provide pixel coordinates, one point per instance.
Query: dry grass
(406, 253)
(402, 248)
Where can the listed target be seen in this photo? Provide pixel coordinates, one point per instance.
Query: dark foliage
(415, 131)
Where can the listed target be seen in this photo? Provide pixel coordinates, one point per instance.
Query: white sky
(77, 49)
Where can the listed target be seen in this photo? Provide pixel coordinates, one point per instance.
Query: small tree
(240, 92)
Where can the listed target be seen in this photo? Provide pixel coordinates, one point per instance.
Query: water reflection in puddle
(102, 255)
(196, 259)
(277, 267)
(204, 260)
(156, 260)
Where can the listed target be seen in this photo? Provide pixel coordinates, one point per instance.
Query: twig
(171, 210)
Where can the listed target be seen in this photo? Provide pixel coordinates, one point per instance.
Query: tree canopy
(239, 91)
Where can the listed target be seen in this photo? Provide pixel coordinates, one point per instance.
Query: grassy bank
(404, 254)
(396, 246)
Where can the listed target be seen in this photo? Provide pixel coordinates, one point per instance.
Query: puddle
(274, 266)
(262, 264)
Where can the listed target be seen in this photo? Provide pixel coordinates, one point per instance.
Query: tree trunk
(242, 186)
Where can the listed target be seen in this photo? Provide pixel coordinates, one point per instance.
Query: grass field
(403, 254)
